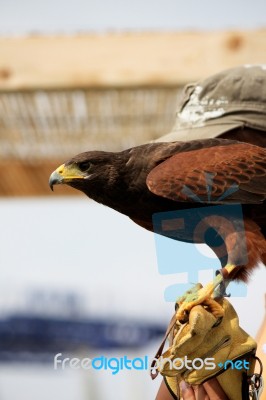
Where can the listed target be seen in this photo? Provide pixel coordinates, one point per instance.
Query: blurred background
(75, 277)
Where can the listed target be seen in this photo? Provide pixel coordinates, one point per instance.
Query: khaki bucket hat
(230, 99)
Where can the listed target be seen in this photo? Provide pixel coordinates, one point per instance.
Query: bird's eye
(84, 166)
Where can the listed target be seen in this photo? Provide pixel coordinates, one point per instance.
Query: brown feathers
(162, 177)
(210, 172)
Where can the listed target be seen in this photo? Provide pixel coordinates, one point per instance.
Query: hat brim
(207, 131)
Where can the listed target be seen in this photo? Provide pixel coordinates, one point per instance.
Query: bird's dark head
(87, 172)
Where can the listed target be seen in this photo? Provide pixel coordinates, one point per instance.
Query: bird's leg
(203, 296)
(220, 290)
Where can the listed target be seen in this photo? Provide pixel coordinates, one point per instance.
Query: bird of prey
(158, 177)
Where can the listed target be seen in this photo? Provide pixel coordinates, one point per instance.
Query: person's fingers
(214, 390)
(200, 393)
(196, 392)
(208, 390)
(187, 391)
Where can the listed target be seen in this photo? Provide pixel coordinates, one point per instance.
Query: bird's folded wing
(220, 174)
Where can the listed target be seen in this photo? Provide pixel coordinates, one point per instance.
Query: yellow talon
(202, 295)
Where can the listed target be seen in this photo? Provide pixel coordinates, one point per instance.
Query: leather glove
(207, 346)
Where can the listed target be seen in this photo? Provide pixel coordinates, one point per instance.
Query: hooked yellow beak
(65, 174)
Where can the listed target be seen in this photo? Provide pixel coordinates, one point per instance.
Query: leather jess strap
(160, 350)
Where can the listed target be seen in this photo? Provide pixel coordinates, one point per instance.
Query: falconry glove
(207, 346)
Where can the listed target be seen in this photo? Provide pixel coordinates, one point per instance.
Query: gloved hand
(208, 346)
